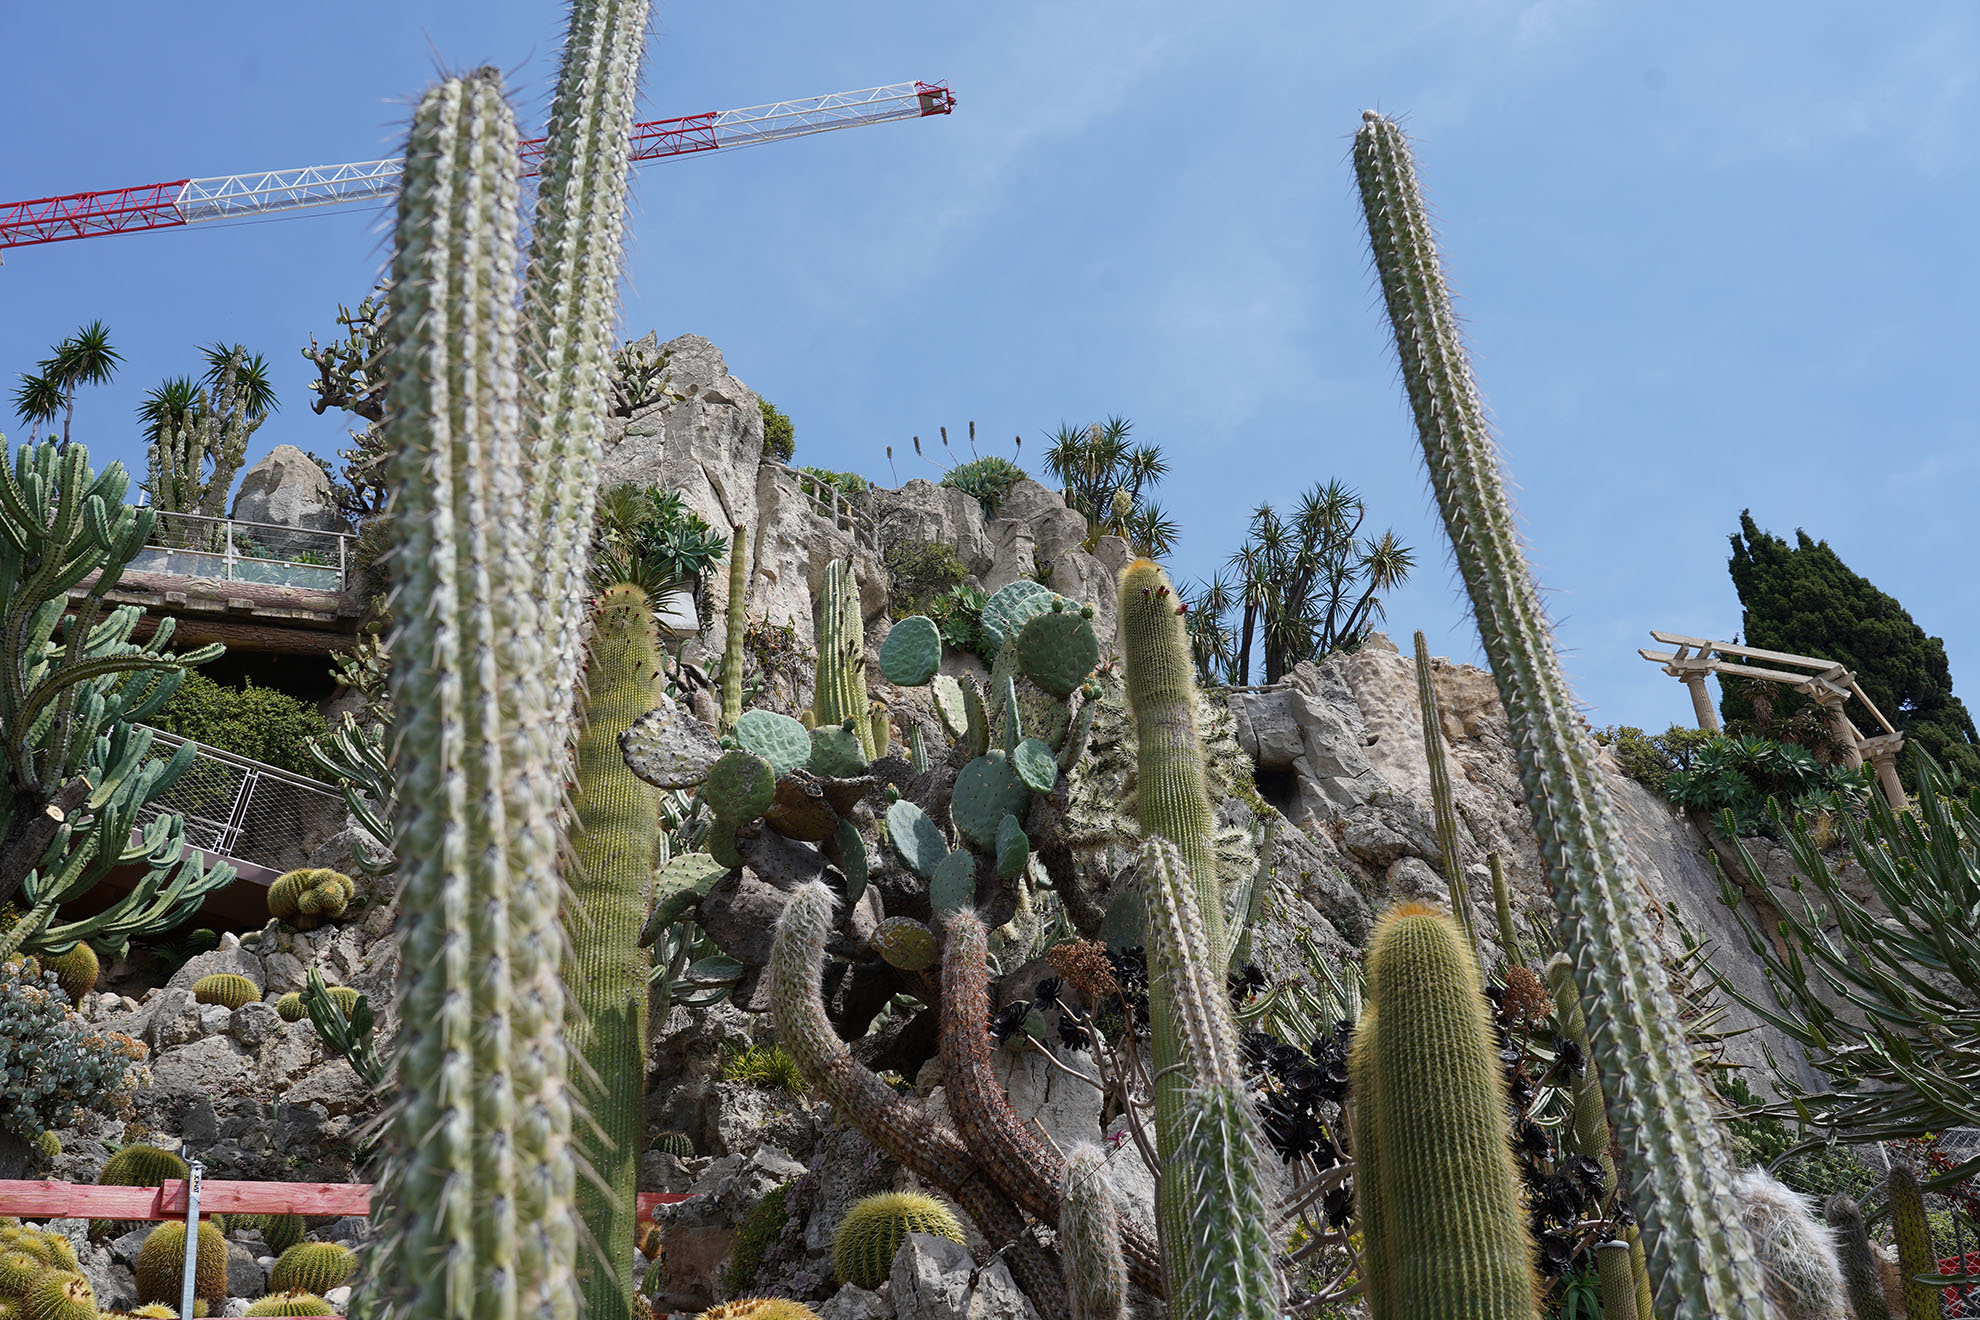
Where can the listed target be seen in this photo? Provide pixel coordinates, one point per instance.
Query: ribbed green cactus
(228, 988)
(280, 1232)
(290, 1006)
(1443, 1228)
(841, 686)
(1213, 1200)
(616, 820)
(311, 896)
(75, 971)
(1797, 1251)
(1589, 1135)
(898, 1127)
(1700, 1257)
(1861, 1277)
(136, 1165)
(1509, 937)
(315, 1267)
(1913, 1232)
(676, 1143)
(59, 1295)
(161, 1263)
(1443, 804)
(494, 446)
(738, 626)
(865, 1241)
(1090, 1238)
(290, 1303)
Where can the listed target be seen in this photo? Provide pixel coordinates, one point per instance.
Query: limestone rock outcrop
(288, 489)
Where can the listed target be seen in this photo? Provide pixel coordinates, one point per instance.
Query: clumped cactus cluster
(310, 897)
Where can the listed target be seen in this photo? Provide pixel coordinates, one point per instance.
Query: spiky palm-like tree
(1107, 479)
(84, 358)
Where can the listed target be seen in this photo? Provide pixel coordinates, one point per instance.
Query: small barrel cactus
(136, 1165)
(229, 988)
(864, 1244)
(294, 1302)
(310, 896)
(676, 1143)
(153, 1311)
(18, 1271)
(290, 1006)
(312, 1267)
(161, 1264)
(759, 1308)
(75, 971)
(59, 1295)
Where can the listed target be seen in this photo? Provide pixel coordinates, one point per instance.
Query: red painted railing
(40, 1198)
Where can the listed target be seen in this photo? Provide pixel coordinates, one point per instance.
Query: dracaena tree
(84, 358)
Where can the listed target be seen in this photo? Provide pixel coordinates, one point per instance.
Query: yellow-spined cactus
(75, 971)
(864, 1244)
(229, 988)
(59, 1295)
(314, 1267)
(311, 896)
(759, 1308)
(161, 1263)
(291, 1303)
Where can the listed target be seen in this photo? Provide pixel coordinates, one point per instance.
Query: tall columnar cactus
(570, 311)
(1213, 1200)
(480, 1211)
(1861, 1277)
(1913, 1232)
(1589, 1135)
(1443, 1229)
(738, 626)
(1174, 800)
(1090, 1238)
(898, 1128)
(841, 688)
(616, 817)
(1700, 1255)
(1445, 806)
(1029, 1170)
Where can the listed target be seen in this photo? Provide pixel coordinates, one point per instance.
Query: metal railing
(246, 810)
(234, 550)
(828, 501)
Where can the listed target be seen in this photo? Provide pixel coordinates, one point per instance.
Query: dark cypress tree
(1804, 599)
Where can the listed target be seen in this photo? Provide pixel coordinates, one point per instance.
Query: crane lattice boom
(239, 196)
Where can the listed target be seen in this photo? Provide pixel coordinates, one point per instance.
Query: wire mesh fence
(245, 810)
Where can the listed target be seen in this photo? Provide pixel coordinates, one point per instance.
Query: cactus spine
(1913, 1232)
(1699, 1251)
(1442, 1216)
(898, 1128)
(1213, 1200)
(616, 820)
(732, 644)
(1445, 807)
(1859, 1265)
(841, 688)
(1090, 1238)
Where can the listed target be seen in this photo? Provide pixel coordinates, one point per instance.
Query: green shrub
(779, 437)
(920, 575)
(766, 1066)
(259, 723)
(959, 614)
(988, 480)
(1649, 758)
(849, 484)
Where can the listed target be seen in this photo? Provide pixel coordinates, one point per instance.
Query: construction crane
(250, 196)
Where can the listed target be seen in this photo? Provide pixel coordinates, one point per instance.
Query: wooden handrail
(44, 1198)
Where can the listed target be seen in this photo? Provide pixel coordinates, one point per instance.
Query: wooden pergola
(1825, 682)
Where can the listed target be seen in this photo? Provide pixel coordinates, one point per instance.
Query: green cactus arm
(1033, 1174)
(615, 819)
(1861, 1277)
(1698, 1251)
(1443, 803)
(738, 625)
(898, 1128)
(841, 683)
(570, 309)
(1589, 1134)
(1213, 1200)
(481, 1182)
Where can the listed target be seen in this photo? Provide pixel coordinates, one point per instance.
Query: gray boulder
(288, 489)
(936, 1279)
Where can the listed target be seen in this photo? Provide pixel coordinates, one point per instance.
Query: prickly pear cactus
(912, 651)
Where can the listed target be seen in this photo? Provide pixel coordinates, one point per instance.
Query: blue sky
(1712, 256)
